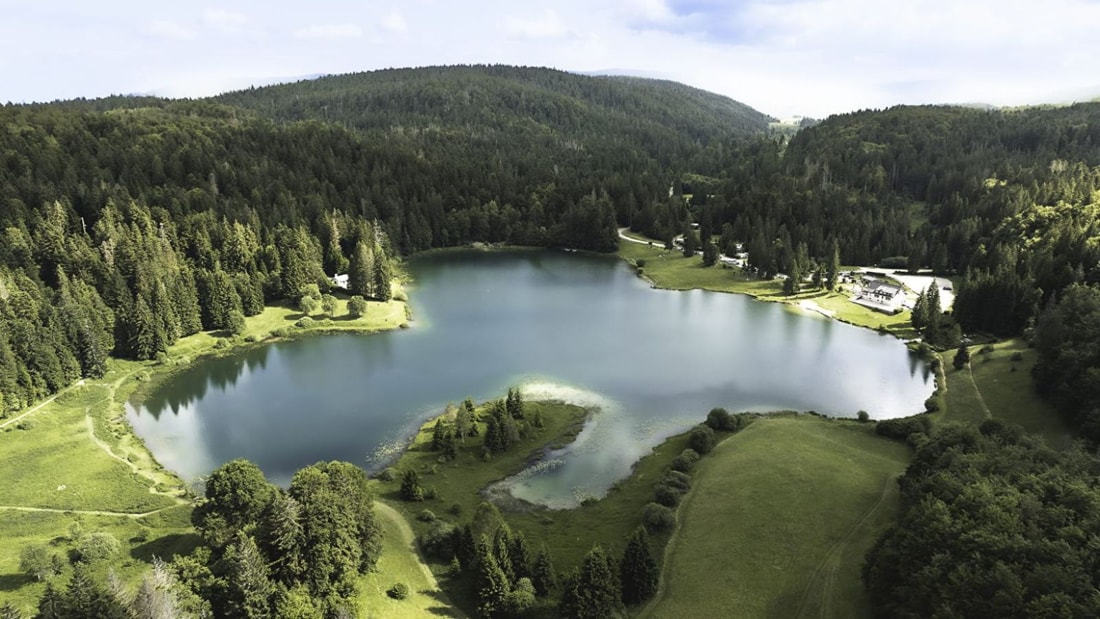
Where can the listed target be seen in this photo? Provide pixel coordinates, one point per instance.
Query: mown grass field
(778, 522)
(401, 563)
(75, 460)
(998, 385)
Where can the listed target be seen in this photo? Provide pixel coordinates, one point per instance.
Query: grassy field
(400, 563)
(72, 460)
(778, 522)
(998, 385)
(671, 270)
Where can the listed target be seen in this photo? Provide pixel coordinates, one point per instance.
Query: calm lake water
(571, 326)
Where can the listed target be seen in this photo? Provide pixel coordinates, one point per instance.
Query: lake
(571, 326)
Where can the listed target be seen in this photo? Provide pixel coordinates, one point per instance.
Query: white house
(880, 295)
(340, 281)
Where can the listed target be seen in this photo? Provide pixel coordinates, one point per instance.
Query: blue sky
(784, 57)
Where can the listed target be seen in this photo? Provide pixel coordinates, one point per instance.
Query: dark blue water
(566, 325)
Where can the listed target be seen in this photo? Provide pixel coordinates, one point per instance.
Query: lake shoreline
(765, 291)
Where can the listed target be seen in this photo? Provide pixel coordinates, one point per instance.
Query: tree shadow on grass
(167, 547)
(11, 582)
(445, 609)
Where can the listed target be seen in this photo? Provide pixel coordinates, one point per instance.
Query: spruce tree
(490, 583)
(638, 570)
(832, 275)
(542, 573)
(361, 271)
(593, 593)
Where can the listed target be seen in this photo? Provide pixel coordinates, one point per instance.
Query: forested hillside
(1008, 201)
(127, 223)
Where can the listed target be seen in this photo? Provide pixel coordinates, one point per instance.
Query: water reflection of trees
(193, 384)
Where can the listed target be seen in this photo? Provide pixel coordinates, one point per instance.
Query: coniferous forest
(127, 223)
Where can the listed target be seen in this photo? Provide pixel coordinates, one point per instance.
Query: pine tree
(361, 271)
(491, 583)
(9, 611)
(502, 552)
(832, 275)
(592, 593)
(514, 403)
(410, 486)
(250, 589)
(542, 573)
(638, 570)
(281, 538)
(382, 277)
(52, 604)
(520, 555)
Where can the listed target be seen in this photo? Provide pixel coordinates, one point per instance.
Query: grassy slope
(671, 270)
(990, 384)
(779, 520)
(400, 563)
(75, 454)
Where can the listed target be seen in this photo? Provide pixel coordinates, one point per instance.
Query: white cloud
(546, 25)
(329, 32)
(162, 29)
(395, 22)
(226, 21)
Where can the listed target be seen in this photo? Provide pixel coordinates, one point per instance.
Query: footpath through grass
(671, 270)
(998, 385)
(779, 520)
(400, 563)
(72, 465)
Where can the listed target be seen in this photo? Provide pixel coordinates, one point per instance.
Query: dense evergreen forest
(128, 223)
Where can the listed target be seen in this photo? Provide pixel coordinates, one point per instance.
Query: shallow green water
(566, 325)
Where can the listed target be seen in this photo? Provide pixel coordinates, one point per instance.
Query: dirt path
(40, 405)
(137, 470)
(49, 510)
(978, 392)
(407, 537)
(826, 571)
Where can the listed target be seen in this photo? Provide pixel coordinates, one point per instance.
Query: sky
(783, 57)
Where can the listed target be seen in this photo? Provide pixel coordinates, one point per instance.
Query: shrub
(304, 323)
(657, 517)
(426, 516)
(900, 429)
(667, 495)
(676, 479)
(1017, 356)
(235, 323)
(863, 417)
(357, 306)
(719, 420)
(388, 474)
(932, 404)
(702, 439)
(987, 349)
(439, 540)
(280, 332)
(640, 262)
(97, 546)
(685, 461)
(398, 591)
(455, 510)
(411, 490)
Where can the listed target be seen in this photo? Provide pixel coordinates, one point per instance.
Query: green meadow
(778, 521)
(72, 465)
